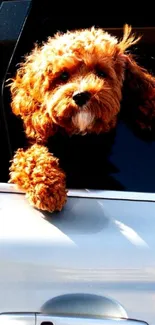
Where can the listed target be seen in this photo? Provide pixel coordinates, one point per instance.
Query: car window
(130, 160)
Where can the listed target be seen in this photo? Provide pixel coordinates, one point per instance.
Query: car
(93, 262)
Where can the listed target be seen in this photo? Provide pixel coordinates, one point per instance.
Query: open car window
(130, 160)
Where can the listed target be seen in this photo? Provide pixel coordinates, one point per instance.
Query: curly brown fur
(37, 172)
(46, 94)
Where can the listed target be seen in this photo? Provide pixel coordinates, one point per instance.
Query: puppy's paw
(37, 172)
(48, 198)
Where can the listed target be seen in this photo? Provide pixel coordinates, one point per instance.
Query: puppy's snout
(81, 98)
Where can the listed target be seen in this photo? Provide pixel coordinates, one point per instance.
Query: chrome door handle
(83, 309)
(74, 309)
(57, 320)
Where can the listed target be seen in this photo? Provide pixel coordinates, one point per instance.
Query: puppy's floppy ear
(28, 89)
(138, 107)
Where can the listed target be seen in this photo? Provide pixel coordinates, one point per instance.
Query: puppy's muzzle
(81, 98)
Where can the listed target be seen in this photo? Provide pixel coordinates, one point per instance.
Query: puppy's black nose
(81, 98)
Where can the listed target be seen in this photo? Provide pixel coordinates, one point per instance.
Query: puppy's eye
(64, 76)
(101, 73)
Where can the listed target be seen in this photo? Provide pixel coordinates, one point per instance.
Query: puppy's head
(75, 81)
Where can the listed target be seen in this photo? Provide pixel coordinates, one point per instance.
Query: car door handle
(83, 309)
(74, 309)
(56, 320)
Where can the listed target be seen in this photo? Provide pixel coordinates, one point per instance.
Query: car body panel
(102, 242)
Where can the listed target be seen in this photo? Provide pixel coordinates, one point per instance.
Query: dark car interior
(120, 160)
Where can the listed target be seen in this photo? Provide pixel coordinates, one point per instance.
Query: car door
(95, 259)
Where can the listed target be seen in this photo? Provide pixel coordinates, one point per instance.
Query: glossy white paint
(104, 246)
(13, 319)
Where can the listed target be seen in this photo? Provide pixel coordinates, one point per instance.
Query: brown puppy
(73, 81)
